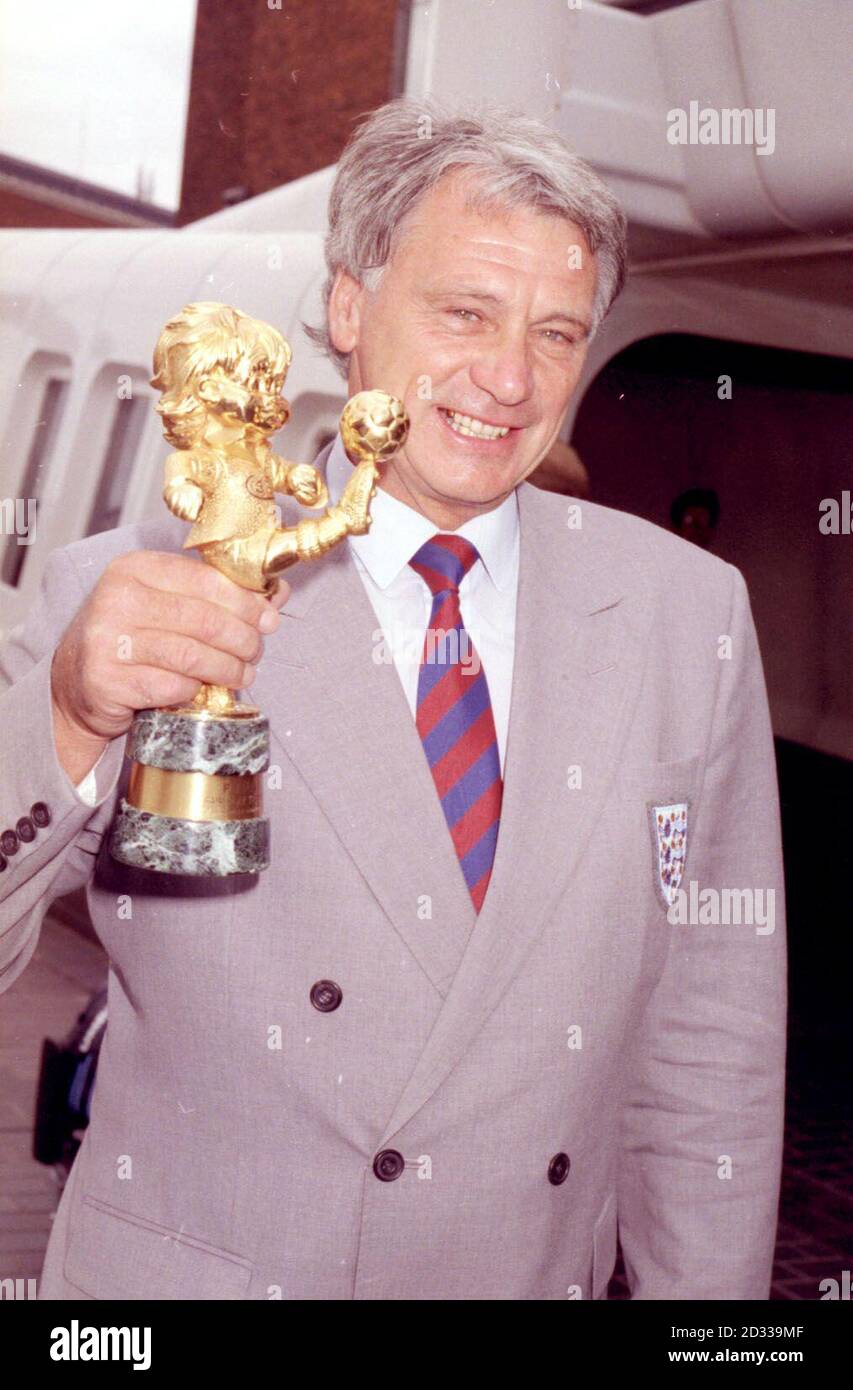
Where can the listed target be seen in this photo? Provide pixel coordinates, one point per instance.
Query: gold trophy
(194, 796)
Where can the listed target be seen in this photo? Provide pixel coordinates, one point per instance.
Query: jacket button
(558, 1168)
(40, 814)
(3, 862)
(9, 842)
(25, 829)
(388, 1165)
(326, 996)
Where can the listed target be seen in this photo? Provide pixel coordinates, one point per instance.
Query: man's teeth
(466, 424)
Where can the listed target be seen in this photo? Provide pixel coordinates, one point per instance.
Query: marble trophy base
(150, 836)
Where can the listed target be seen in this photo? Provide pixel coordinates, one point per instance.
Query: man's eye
(556, 334)
(469, 312)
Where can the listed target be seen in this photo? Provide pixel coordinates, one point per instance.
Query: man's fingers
(153, 687)
(185, 656)
(281, 594)
(181, 574)
(208, 623)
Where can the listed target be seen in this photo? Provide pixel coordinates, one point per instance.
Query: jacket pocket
(113, 1254)
(604, 1248)
(662, 782)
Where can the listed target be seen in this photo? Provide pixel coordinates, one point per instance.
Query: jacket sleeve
(61, 856)
(701, 1144)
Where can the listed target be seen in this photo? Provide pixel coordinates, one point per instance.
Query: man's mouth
(472, 427)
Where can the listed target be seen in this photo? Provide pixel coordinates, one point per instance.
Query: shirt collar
(397, 531)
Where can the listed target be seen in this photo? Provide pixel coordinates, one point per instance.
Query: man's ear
(344, 311)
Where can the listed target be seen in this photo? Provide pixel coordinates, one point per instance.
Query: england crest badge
(669, 831)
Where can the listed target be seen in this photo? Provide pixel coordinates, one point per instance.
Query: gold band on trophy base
(196, 796)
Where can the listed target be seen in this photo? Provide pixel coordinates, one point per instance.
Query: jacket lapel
(345, 723)
(576, 678)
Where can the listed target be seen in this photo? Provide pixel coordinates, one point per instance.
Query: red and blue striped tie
(454, 715)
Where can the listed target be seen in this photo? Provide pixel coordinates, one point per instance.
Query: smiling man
(481, 324)
(453, 1041)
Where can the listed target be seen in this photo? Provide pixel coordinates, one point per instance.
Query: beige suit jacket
(235, 1124)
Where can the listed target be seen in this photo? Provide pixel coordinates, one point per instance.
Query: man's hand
(155, 627)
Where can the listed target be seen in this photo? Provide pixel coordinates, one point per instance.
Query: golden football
(373, 426)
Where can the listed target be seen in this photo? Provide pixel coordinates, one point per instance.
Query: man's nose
(503, 369)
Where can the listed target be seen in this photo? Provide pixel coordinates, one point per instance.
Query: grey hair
(401, 150)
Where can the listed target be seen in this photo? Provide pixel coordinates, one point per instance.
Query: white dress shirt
(402, 600)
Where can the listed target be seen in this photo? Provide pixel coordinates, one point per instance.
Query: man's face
(479, 314)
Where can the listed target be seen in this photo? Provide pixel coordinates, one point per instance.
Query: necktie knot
(443, 561)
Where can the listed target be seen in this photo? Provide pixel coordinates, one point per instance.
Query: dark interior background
(650, 426)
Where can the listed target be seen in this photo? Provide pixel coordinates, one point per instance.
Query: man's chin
(487, 492)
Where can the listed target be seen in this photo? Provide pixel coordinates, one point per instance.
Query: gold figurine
(194, 801)
(221, 374)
